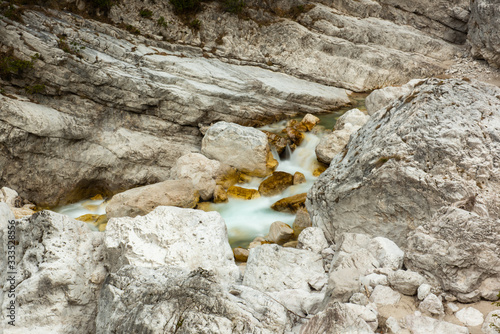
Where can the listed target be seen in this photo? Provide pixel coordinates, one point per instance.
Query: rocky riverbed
(159, 114)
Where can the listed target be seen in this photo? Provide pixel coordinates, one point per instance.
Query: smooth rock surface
(418, 324)
(333, 143)
(276, 183)
(405, 281)
(438, 146)
(470, 316)
(290, 204)
(142, 200)
(354, 116)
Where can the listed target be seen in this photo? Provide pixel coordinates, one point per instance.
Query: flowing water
(247, 219)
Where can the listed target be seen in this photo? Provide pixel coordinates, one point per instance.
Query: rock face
(241, 147)
(459, 250)
(437, 146)
(61, 258)
(142, 200)
(182, 237)
(484, 31)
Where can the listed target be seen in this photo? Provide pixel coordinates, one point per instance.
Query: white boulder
(470, 316)
(491, 321)
(432, 304)
(418, 324)
(406, 281)
(383, 295)
(313, 239)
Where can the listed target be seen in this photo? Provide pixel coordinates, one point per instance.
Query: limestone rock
(373, 279)
(310, 121)
(313, 239)
(492, 318)
(383, 295)
(381, 98)
(392, 325)
(240, 254)
(290, 204)
(298, 178)
(470, 316)
(182, 237)
(242, 193)
(274, 268)
(275, 184)
(483, 34)
(200, 170)
(242, 147)
(65, 260)
(423, 325)
(406, 281)
(354, 116)
(333, 143)
(456, 248)
(359, 299)
(409, 161)
(342, 284)
(432, 304)
(9, 196)
(142, 200)
(280, 233)
(388, 254)
(423, 291)
(301, 221)
(220, 195)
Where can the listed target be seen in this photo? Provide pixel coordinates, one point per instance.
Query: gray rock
(432, 304)
(392, 325)
(313, 239)
(301, 221)
(383, 295)
(244, 148)
(452, 307)
(142, 200)
(470, 316)
(383, 97)
(491, 320)
(373, 279)
(333, 143)
(280, 233)
(406, 281)
(407, 162)
(342, 284)
(484, 31)
(423, 325)
(359, 299)
(170, 236)
(455, 249)
(60, 265)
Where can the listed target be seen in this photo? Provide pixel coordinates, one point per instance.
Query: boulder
(301, 221)
(298, 178)
(275, 184)
(354, 116)
(280, 233)
(242, 147)
(406, 281)
(458, 250)
(432, 304)
(61, 266)
(383, 295)
(470, 316)
(290, 204)
(333, 143)
(381, 98)
(142, 200)
(313, 239)
(242, 193)
(200, 170)
(418, 324)
(310, 121)
(171, 299)
(185, 238)
(484, 31)
(437, 146)
(491, 323)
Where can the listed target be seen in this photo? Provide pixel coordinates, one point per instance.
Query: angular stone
(333, 143)
(275, 184)
(484, 31)
(405, 281)
(423, 291)
(294, 135)
(310, 121)
(423, 325)
(432, 304)
(354, 116)
(276, 140)
(381, 98)
(240, 254)
(383, 295)
(313, 239)
(290, 204)
(302, 221)
(280, 233)
(388, 254)
(298, 178)
(243, 193)
(342, 284)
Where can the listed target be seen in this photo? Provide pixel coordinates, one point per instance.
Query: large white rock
(432, 304)
(424, 325)
(170, 236)
(436, 146)
(313, 239)
(202, 172)
(423, 291)
(60, 265)
(142, 200)
(242, 147)
(333, 143)
(470, 316)
(354, 116)
(383, 295)
(491, 320)
(406, 281)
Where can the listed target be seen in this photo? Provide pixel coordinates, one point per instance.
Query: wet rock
(406, 281)
(99, 221)
(383, 295)
(276, 184)
(313, 239)
(354, 116)
(276, 140)
(414, 164)
(432, 304)
(280, 233)
(456, 249)
(491, 320)
(290, 204)
(242, 147)
(243, 193)
(294, 135)
(200, 170)
(240, 254)
(470, 316)
(142, 200)
(310, 121)
(220, 195)
(66, 260)
(483, 34)
(298, 178)
(333, 143)
(302, 221)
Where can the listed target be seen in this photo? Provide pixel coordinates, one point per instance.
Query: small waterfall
(275, 153)
(287, 153)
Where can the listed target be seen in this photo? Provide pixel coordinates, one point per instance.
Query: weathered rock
(301, 221)
(333, 143)
(423, 325)
(220, 195)
(488, 288)
(200, 170)
(437, 146)
(244, 148)
(359, 299)
(275, 184)
(354, 116)
(276, 140)
(292, 244)
(382, 98)
(9, 196)
(298, 178)
(406, 281)
(240, 254)
(470, 316)
(313, 239)
(184, 238)
(280, 233)
(383, 295)
(423, 291)
(290, 204)
(432, 304)
(295, 136)
(373, 279)
(242, 193)
(392, 325)
(484, 31)
(142, 200)
(342, 284)
(491, 320)
(342, 318)
(458, 250)
(310, 121)
(60, 265)
(388, 254)
(274, 268)
(171, 299)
